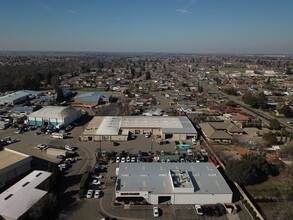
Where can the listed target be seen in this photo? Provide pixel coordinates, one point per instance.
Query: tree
(56, 85)
(287, 111)
(274, 124)
(270, 138)
(147, 75)
(199, 88)
(231, 91)
(251, 169)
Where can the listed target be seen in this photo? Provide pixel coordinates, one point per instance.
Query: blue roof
(23, 109)
(67, 92)
(90, 99)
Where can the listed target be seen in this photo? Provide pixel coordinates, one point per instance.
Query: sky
(166, 26)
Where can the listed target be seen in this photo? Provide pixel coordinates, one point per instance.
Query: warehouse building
(114, 128)
(13, 164)
(171, 183)
(93, 98)
(54, 115)
(19, 198)
(18, 97)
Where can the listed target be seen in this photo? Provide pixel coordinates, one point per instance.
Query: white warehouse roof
(20, 197)
(203, 178)
(58, 112)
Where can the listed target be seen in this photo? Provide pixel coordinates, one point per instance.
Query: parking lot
(92, 208)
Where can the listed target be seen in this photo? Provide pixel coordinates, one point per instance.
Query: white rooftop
(58, 112)
(109, 126)
(160, 178)
(20, 197)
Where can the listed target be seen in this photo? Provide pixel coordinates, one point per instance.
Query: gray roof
(20, 197)
(167, 124)
(155, 177)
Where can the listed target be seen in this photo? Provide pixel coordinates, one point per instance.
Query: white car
(117, 159)
(147, 135)
(132, 159)
(198, 209)
(96, 182)
(127, 159)
(122, 159)
(156, 212)
(90, 193)
(41, 146)
(68, 147)
(70, 159)
(97, 194)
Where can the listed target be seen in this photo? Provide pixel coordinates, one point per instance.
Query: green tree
(270, 138)
(251, 169)
(231, 91)
(274, 124)
(199, 88)
(287, 111)
(147, 75)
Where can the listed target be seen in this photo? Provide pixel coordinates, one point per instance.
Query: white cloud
(182, 11)
(72, 12)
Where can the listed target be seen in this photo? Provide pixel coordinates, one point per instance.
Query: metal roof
(9, 157)
(58, 112)
(20, 197)
(155, 177)
(93, 94)
(109, 126)
(167, 124)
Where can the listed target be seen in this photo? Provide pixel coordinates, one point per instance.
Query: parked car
(147, 135)
(156, 212)
(41, 146)
(116, 144)
(221, 208)
(122, 159)
(90, 193)
(96, 182)
(198, 209)
(128, 159)
(68, 147)
(117, 159)
(132, 159)
(97, 194)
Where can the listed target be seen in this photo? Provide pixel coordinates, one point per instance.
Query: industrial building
(19, 198)
(171, 183)
(54, 115)
(18, 97)
(113, 128)
(93, 98)
(13, 164)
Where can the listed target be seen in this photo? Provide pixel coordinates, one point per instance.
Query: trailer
(57, 135)
(56, 152)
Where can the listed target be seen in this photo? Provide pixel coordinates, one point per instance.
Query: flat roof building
(13, 164)
(175, 183)
(20, 197)
(117, 128)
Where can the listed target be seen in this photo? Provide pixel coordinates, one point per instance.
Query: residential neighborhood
(122, 136)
